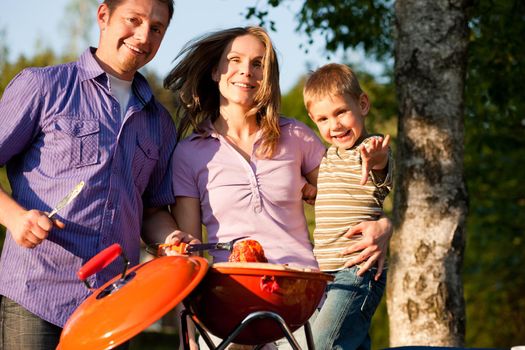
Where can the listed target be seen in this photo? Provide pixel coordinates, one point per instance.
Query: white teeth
(340, 136)
(133, 48)
(242, 85)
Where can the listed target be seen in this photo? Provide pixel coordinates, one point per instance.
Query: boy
(346, 196)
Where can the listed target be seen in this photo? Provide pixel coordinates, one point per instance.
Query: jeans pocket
(375, 293)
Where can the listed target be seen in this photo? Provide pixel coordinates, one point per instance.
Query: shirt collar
(354, 150)
(208, 130)
(88, 66)
(90, 69)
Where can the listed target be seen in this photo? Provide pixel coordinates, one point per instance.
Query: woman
(243, 169)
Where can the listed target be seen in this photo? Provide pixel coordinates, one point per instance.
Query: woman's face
(240, 71)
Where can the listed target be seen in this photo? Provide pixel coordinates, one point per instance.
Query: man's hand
(374, 156)
(373, 247)
(30, 228)
(177, 237)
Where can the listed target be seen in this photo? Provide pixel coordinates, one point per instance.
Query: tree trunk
(425, 292)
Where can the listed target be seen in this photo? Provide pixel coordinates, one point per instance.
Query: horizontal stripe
(342, 203)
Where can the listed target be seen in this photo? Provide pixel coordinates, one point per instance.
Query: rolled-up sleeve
(312, 148)
(184, 181)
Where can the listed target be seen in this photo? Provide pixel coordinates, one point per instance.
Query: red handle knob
(99, 261)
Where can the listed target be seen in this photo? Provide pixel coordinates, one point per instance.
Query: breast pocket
(144, 160)
(81, 138)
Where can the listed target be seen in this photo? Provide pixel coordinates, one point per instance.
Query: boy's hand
(309, 193)
(31, 227)
(374, 156)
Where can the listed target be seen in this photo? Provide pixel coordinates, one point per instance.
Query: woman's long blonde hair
(197, 95)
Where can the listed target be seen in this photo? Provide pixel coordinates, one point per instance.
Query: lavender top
(60, 125)
(261, 198)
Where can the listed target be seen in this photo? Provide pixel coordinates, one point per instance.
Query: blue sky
(30, 23)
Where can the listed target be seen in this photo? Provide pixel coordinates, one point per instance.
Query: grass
(3, 180)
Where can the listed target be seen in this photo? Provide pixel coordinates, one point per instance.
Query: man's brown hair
(112, 4)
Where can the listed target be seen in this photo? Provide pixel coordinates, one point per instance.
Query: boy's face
(130, 35)
(340, 118)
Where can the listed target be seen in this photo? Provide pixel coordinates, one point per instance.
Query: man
(94, 120)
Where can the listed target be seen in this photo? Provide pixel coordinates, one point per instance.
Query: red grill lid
(110, 317)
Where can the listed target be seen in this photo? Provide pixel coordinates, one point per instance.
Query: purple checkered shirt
(61, 125)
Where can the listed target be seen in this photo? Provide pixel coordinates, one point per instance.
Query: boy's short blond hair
(332, 79)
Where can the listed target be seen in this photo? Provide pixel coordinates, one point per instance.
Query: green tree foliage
(494, 144)
(342, 23)
(4, 50)
(162, 95)
(79, 25)
(292, 104)
(5, 186)
(8, 70)
(494, 158)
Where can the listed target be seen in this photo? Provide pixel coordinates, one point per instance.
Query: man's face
(130, 35)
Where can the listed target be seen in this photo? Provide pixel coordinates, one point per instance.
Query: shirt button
(110, 205)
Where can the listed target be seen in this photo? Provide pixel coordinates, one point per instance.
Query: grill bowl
(231, 291)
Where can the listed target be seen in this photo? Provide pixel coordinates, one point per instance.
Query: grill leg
(257, 315)
(184, 330)
(199, 327)
(309, 337)
(253, 316)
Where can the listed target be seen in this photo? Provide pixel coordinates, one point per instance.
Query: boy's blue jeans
(344, 319)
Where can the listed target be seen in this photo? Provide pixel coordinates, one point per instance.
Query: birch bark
(424, 292)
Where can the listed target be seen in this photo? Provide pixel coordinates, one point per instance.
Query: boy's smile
(340, 118)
